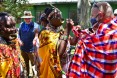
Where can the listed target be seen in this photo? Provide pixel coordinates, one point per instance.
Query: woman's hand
(69, 24)
(76, 30)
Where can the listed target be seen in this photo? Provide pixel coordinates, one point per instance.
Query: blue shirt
(26, 35)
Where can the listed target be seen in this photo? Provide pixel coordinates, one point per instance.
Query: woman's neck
(53, 28)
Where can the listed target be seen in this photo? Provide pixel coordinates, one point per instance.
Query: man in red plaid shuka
(96, 54)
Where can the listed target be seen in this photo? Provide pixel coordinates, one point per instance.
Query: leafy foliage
(14, 7)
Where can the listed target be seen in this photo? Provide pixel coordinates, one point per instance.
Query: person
(95, 55)
(43, 19)
(115, 12)
(27, 37)
(65, 58)
(9, 52)
(52, 45)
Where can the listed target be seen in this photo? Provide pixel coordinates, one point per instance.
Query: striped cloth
(96, 54)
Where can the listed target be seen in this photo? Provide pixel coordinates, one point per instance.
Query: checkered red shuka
(96, 54)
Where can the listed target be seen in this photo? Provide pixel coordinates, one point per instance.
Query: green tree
(14, 7)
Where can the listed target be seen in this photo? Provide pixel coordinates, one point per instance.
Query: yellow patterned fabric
(50, 64)
(9, 62)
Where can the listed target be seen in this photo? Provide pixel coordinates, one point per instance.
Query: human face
(94, 15)
(28, 20)
(94, 12)
(7, 27)
(56, 19)
(43, 23)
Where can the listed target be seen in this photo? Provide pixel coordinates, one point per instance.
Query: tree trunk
(83, 11)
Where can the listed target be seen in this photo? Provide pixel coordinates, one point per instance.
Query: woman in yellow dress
(52, 44)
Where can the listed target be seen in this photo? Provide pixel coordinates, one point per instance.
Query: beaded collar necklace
(52, 28)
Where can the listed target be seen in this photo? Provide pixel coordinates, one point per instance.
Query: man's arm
(18, 36)
(36, 31)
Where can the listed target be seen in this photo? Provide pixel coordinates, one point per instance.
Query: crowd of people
(46, 52)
